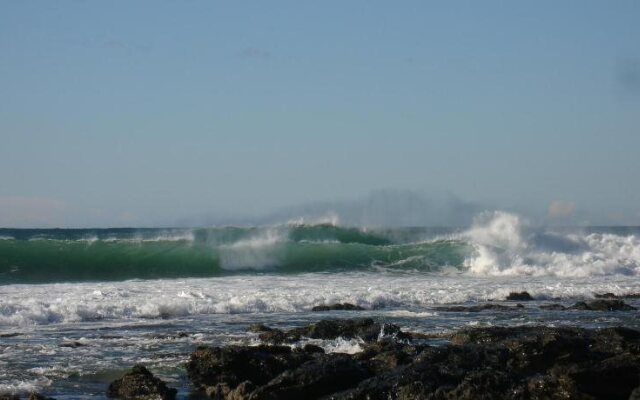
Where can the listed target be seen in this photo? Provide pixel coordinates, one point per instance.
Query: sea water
(80, 307)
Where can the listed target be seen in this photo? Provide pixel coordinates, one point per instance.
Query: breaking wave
(498, 244)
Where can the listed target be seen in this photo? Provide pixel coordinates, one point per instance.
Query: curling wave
(498, 244)
(104, 255)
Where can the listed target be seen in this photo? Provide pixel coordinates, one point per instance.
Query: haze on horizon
(165, 113)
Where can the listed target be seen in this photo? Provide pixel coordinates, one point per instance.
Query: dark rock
(140, 384)
(365, 328)
(337, 306)
(553, 307)
(514, 363)
(322, 376)
(9, 335)
(312, 348)
(603, 305)
(521, 296)
(32, 396)
(242, 391)
(481, 307)
(73, 345)
(232, 365)
(610, 295)
(38, 396)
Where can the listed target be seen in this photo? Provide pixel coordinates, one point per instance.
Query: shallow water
(111, 326)
(78, 307)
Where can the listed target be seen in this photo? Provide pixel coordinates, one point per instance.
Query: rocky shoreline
(479, 363)
(527, 362)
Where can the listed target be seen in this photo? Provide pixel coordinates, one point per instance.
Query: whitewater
(79, 306)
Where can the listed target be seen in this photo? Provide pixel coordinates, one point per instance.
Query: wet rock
(610, 295)
(32, 396)
(316, 378)
(607, 295)
(515, 363)
(9, 335)
(479, 363)
(209, 366)
(312, 348)
(73, 345)
(363, 328)
(140, 384)
(603, 305)
(553, 307)
(269, 335)
(38, 396)
(519, 296)
(242, 391)
(481, 307)
(338, 307)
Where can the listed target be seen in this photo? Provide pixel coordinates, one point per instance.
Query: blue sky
(150, 113)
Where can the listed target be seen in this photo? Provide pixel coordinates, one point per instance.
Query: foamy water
(71, 339)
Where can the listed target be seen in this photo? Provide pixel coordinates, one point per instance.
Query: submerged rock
(140, 384)
(338, 307)
(603, 305)
(519, 296)
(610, 295)
(481, 307)
(596, 305)
(32, 396)
(553, 307)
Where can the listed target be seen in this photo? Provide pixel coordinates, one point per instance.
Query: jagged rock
(313, 379)
(516, 363)
(232, 365)
(338, 307)
(481, 307)
(140, 384)
(365, 328)
(519, 296)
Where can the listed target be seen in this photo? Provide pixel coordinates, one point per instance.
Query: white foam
(338, 345)
(329, 219)
(25, 386)
(506, 245)
(262, 251)
(78, 303)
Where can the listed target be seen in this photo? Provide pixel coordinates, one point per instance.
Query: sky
(157, 113)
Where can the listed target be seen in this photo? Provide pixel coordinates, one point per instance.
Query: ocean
(78, 307)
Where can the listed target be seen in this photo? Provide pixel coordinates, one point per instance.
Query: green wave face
(67, 257)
